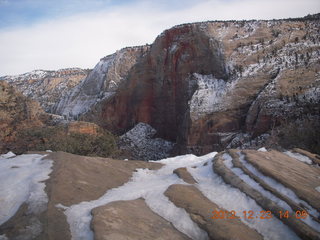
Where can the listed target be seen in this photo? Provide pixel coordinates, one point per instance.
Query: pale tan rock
(296, 175)
(200, 210)
(299, 227)
(184, 175)
(76, 178)
(133, 219)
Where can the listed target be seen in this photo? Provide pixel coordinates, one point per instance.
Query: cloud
(82, 39)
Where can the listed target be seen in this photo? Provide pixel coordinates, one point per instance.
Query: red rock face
(83, 128)
(157, 91)
(17, 112)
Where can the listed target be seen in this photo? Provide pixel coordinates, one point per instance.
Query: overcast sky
(54, 34)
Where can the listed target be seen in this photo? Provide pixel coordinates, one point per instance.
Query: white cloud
(81, 40)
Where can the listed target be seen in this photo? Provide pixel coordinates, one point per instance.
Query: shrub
(303, 134)
(57, 139)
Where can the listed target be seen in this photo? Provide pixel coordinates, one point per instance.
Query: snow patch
(299, 157)
(252, 183)
(8, 155)
(3, 237)
(230, 198)
(21, 180)
(263, 149)
(90, 91)
(151, 184)
(209, 96)
(61, 206)
(283, 190)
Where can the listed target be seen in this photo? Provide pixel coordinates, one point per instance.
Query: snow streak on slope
(275, 185)
(88, 92)
(228, 163)
(299, 157)
(21, 180)
(209, 96)
(151, 184)
(232, 199)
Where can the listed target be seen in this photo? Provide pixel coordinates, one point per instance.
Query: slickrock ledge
(314, 157)
(76, 178)
(133, 220)
(184, 175)
(296, 175)
(236, 162)
(299, 227)
(200, 210)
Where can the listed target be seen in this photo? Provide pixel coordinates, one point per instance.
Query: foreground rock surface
(131, 220)
(200, 209)
(297, 176)
(288, 171)
(192, 196)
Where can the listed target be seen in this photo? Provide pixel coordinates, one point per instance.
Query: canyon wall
(203, 85)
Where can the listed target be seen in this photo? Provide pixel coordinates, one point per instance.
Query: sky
(55, 34)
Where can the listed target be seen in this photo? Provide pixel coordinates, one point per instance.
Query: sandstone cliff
(101, 83)
(47, 87)
(211, 84)
(17, 112)
(205, 86)
(24, 126)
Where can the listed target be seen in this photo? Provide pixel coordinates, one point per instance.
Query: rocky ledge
(237, 194)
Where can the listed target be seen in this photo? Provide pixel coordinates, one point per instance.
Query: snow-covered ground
(151, 184)
(148, 184)
(21, 180)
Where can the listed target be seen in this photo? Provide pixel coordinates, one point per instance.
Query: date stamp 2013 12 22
(223, 214)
